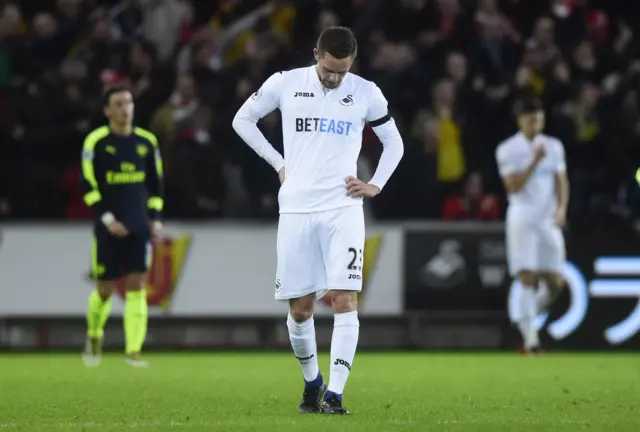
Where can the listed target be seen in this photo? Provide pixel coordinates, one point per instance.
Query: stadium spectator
(451, 161)
(183, 126)
(162, 23)
(473, 203)
(75, 208)
(451, 70)
(582, 144)
(149, 79)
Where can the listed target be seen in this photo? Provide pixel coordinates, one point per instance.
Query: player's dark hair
(338, 42)
(529, 106)
(110, 91)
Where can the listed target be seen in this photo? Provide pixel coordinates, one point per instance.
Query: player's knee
(527, 278)
(344, 301)
(300, 312)
(301, 309)
(556, 282)
(135, 281)
(105, 289)
(300, 315)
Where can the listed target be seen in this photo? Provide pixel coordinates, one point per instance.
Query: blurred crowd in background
(451, 70)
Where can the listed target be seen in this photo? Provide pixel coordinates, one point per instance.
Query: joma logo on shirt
(304, 94)
(323, 125)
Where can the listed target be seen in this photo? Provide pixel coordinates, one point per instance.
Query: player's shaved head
(111, 91)
(335, 52)
(338, 42)
(529, 106)
(530, 114)
(118, 105)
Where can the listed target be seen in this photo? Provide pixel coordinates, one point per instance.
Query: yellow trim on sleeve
(92, 197)
(155, 203)
(154, 141)
(88, 172)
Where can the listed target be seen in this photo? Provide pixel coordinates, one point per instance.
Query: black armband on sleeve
(380, 121)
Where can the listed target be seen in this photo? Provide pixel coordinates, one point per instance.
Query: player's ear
(316, 54)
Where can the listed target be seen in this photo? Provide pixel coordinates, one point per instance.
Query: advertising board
(461, 272)
(208, 270)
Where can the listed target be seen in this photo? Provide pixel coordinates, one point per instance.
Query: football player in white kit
(532, 166)
(321, 231)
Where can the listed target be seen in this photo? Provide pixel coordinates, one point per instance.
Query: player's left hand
(357, 188)
(155, 227)
(560, 218)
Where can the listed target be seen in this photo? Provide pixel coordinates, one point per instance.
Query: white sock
(543, 297)
(303, 341)
(528, 312)
(346, 328)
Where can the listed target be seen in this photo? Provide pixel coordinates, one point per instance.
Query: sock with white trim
(346, 329)
(528, 311)
(303, 341)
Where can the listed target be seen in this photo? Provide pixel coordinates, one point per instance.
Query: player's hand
(116, 229)
(539, 153)
(281, 175)
(155, 228)
(560, 218)
(357, 188)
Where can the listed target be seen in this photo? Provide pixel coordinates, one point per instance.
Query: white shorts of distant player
(534, 245)
(318, 252)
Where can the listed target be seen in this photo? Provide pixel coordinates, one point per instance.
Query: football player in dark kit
(123, 185)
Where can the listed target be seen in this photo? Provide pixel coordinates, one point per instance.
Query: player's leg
(552, 263)
(137, 261)
(550, 287)
(105, 271)
(342, 241)
(298, 278)
(302, 334)
(522, 250)
(528, 310)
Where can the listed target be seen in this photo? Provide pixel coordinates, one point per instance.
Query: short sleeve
(378, 106)
(506, 163)
(561, 165)
(267, 98)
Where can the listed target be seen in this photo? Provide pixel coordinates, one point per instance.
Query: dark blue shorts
(113, 257)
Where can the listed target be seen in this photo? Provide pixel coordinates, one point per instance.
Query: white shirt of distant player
(322, 132)
(537, 200)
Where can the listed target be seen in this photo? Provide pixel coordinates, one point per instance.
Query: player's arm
(154, 179)
(386, 130)
(561, 182)
(513, 179)
(258, 105)
(90, 187)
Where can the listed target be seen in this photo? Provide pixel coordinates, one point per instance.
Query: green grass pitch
(260, 392)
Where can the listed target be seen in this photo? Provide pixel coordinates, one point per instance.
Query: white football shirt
(322, 132)
(537, 200)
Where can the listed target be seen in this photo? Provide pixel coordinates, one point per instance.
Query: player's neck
(324, 89)
(122, 130)
(529, 137)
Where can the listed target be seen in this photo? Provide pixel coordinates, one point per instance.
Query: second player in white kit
(533, 169)
(321, 232)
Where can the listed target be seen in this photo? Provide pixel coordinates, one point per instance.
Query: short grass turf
(260, 392)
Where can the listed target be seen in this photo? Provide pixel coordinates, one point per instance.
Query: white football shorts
(535, 246)
(318, 252)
